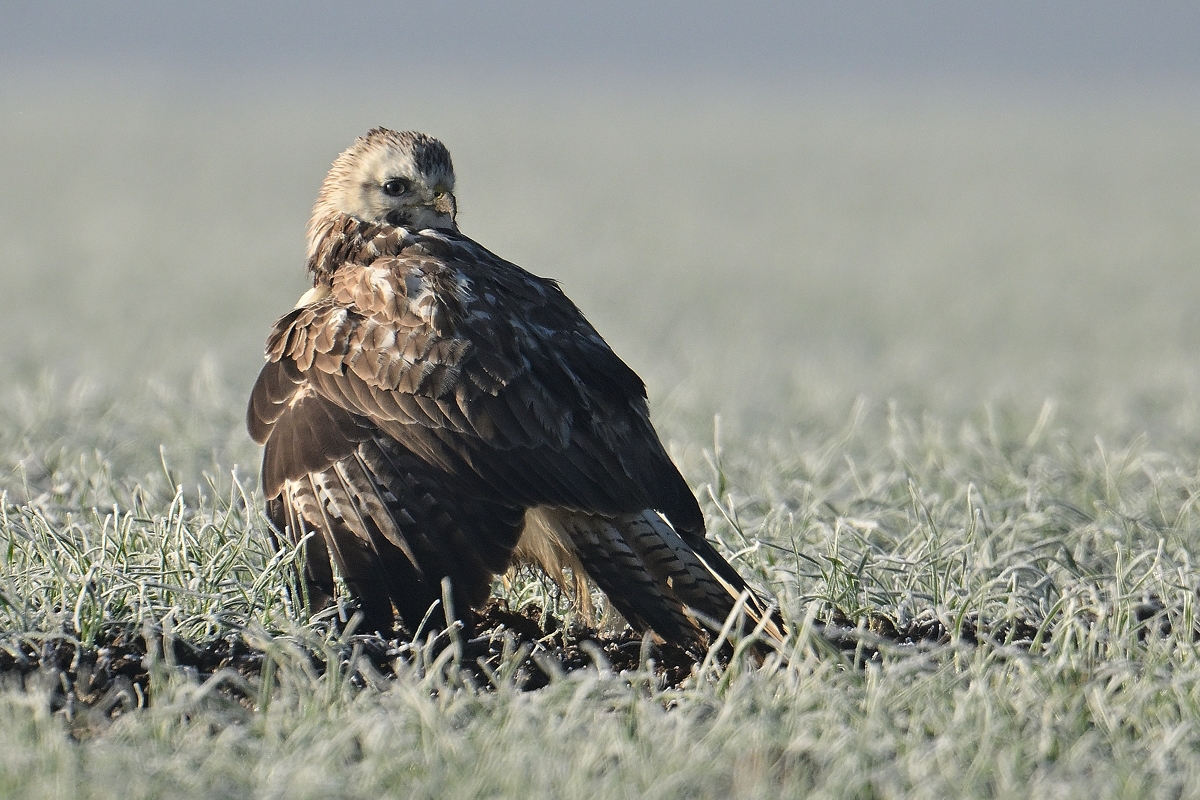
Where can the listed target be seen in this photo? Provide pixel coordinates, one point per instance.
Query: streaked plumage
(428, 405)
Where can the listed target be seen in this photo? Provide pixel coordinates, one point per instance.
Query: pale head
(388, 177)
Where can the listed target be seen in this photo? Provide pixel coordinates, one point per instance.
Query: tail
(649, 573)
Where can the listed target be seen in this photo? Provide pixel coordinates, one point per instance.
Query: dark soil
(115, 674)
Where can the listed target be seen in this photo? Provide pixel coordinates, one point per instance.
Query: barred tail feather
(649, 573)
(695, 581)
(645, 601)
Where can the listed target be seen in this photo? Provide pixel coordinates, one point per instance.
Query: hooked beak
(443, 203)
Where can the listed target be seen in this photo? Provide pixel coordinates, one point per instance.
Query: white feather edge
(313, 295)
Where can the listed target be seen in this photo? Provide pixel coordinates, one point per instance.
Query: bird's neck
(336, 239)
(339, 239)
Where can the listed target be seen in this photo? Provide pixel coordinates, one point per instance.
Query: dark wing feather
(309, 434)
(394, 525)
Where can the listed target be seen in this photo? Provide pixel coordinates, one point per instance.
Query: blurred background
(768, 209)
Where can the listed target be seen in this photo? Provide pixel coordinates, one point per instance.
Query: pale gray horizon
(1151, 45)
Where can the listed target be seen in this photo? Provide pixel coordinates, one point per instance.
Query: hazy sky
(1143, 43)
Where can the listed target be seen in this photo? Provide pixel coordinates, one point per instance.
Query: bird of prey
(431, 411)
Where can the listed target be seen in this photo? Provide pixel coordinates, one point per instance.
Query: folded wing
(417, 411)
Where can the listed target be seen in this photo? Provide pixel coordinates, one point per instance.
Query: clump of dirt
(114, 675)
(560, 649)
(866, 638)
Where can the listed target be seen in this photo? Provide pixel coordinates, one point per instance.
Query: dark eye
(395, 187)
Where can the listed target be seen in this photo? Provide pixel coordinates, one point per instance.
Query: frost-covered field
(949, 340)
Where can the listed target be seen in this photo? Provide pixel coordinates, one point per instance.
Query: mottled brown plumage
(428, 403)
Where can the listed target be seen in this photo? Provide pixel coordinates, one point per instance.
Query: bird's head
(398, 178)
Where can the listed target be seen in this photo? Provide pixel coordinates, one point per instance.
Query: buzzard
(431, 411)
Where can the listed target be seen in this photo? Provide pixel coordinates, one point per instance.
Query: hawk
(431, 411)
